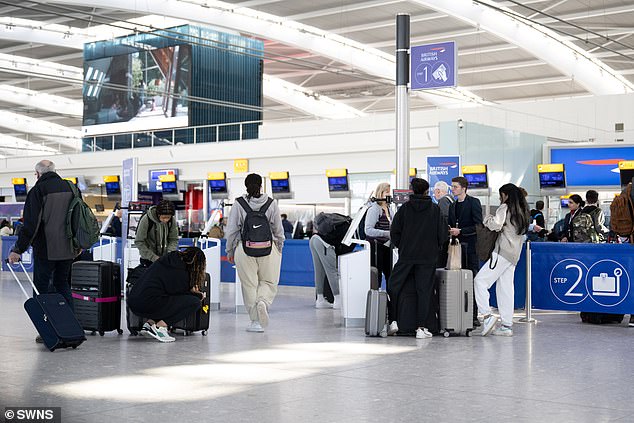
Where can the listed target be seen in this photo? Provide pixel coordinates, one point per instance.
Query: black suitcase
(96, 287)
(198, 321)
(134, 322)
(52, 317)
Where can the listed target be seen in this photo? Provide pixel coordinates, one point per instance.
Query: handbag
(485, 244)
(454, 255)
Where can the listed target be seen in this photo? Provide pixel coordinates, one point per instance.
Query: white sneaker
(255, 326)
(322, 303)
(337, 304)
(488, 324)
(423, 333)
(263, 314)
(393, 329)
(158, 333)
(503, 331)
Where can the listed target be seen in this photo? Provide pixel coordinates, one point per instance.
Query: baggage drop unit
(354, 276)
(478, 178)
(552, 185)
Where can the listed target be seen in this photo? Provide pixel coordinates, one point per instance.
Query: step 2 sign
(434, 66)
(583, 277)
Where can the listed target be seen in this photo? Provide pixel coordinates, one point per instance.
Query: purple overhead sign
(434, 66)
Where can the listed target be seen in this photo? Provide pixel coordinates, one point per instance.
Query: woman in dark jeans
(378, 219)
(169, 291)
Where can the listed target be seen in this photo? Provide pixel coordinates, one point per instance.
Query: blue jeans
(56, 270)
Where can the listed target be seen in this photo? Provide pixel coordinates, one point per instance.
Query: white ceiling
(490, 67)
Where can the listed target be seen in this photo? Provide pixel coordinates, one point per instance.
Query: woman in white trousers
(511, 222)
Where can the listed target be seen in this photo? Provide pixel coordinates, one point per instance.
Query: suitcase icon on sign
(607, 286)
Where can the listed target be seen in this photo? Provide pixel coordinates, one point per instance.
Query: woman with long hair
(169, 291)
(258, 261)
(378, 219)
(511, 221)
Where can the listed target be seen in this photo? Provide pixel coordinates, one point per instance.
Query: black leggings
(381, 258)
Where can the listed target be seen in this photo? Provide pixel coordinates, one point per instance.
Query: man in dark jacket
(45, 228)
(464, 215)
(418, 231)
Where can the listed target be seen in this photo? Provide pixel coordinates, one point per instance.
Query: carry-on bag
(134, 322)
(52, 317)
(455, 291)
(375, 308)
(198, 321)
(96, 287)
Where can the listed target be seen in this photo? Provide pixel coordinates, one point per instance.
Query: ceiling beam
(354, 7)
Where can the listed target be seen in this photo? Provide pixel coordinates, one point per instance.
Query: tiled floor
(307, 368)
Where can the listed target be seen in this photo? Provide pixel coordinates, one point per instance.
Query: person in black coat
(418, 231)
(169, 291)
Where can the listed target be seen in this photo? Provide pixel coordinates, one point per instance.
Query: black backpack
(332, 228)
(257, 238)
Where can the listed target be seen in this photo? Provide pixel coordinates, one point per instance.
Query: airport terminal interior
(160, 112)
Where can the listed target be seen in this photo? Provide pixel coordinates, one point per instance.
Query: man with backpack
(45, 228)
(255, 238)
(598, 217)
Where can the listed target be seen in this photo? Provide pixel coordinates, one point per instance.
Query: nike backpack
(257, 238)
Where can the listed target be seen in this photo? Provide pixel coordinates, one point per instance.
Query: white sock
(320, 298)
(338, 299)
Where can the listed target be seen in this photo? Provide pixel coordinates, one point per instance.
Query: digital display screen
(626, 176)
(338, 183)
(20, 190)
(552, 180)
(564, 203)
(218, 186)
(145, 88)
(477, 180)
(169, 187)
(280, 186)
(113, 188)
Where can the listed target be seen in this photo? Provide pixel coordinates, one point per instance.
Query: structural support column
(402, 101)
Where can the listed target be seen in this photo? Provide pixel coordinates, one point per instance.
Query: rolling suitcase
(96, 287)
(455, 291)
(198, 321)
(375, 308)
(134, 322)
(52, 317)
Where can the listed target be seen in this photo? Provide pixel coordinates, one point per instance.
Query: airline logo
(602, 162)
(439, 49)
(451, 165)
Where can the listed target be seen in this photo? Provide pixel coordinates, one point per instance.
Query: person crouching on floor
(169, 291)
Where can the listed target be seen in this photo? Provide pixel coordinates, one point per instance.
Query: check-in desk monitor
(338, 186)
(552, 179)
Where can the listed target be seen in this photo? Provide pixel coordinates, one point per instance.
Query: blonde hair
(380, 189)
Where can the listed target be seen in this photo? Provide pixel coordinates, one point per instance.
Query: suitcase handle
(10, 266)
(466, 301)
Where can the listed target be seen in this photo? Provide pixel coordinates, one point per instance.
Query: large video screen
(552, 180)
(144, 90)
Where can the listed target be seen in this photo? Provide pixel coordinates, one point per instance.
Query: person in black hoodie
(169, 291)
(418, 231)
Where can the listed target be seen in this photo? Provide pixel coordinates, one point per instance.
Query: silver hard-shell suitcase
(376, 313)
(455, 289)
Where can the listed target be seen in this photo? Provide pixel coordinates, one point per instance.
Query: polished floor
(307, 368)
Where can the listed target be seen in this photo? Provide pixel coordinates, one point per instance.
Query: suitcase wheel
(187, 333)
(445, 334)
(204, 333)
(133, 332)
(468, 333)
(120, 331)
(93, 333)
(101, 333)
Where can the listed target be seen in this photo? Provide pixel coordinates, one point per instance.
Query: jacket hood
(173, 259)
(256, 203)
(153, 215)
(420, 202)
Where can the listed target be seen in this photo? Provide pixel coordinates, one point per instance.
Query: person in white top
(5, 228)
(511, 221)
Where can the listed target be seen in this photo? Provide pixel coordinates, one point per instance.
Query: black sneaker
(39, 340)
